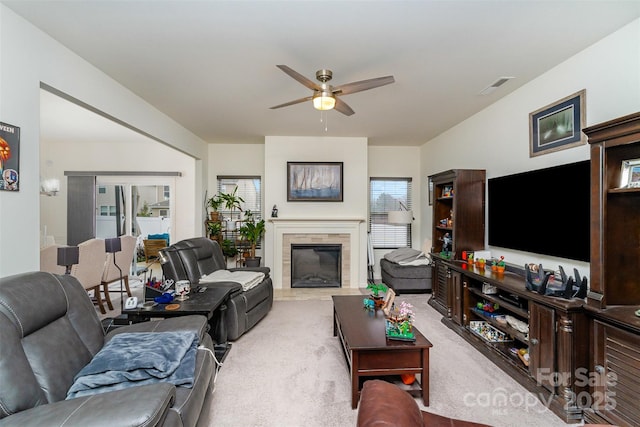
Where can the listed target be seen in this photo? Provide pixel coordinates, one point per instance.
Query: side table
(210, 301)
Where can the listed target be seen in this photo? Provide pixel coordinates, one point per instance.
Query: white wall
(497, 138)
(28, 57)
(351, 151)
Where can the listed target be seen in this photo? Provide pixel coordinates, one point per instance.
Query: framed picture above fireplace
(314, 181)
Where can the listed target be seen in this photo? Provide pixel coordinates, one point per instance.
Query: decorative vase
(215, 215)
(500, 268)
(252, 262)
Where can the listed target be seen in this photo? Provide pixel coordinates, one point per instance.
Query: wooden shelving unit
(614, 294)
(458, 209)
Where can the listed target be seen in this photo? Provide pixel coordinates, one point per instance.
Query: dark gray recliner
(50, 330)
(193, 258)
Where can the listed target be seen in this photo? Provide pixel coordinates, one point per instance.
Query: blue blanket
(139, 358)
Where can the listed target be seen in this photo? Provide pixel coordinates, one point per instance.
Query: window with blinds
(249, 189)
(387, 194)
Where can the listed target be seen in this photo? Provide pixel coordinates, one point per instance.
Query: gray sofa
(193, 258)
(50, 331)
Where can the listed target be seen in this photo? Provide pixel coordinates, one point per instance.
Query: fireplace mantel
(323, 219)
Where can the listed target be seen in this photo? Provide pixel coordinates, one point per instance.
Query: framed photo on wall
(558, 126)
(9, 157)
(630, 177)
(314, 182)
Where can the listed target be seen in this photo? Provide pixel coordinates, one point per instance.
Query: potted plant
(214, 229)
(231, 202)
(252, 232)
(214, 203)
(229, 248)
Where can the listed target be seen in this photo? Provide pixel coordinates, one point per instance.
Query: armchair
(49, 259)
(385, 404)
(90, 267)
(50, 332)
(191, 259)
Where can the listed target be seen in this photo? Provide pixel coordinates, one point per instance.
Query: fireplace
(316, 265)
(350, 233)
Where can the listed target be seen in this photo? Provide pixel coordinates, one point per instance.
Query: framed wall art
(314, 181)
(558, 126)
(9, 157)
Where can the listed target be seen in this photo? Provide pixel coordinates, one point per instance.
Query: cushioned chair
(385, 404)
(49, 260)
(191, 259)
(50, 331)
(124, 260)
(90, 267)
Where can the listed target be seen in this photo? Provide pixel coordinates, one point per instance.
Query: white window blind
(385, 194)
(249, 189)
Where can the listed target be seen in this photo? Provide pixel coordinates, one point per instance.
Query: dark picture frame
(630, 177)
(314, 182)
(558, 126)
(9, 157)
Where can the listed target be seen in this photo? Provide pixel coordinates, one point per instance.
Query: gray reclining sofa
(50, 332)
(193, 258)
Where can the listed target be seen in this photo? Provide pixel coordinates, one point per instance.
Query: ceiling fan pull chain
(324, 118)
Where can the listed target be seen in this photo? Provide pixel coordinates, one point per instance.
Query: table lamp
(401, 217)
(68, 256)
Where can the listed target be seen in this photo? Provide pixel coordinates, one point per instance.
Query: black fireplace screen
(316, 266)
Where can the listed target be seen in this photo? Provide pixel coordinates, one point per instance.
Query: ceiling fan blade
(362, 85)
(299, 77)
(342, 107)
(297, 101)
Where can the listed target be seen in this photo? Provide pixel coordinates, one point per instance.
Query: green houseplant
(214, 229)
(252, 231)
(229, 248)
(231, 201)
(214, 203)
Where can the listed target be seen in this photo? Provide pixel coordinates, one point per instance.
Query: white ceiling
(211, 65)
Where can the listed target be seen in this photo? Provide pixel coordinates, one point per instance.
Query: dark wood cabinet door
(617, 375)
(542, 348)
(440, 288)
(455, 293)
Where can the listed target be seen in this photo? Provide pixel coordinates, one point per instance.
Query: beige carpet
(289, 370)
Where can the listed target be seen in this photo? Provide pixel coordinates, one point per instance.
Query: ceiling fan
(325, 96)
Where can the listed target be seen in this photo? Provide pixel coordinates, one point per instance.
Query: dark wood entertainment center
(584, 354)
(614, 294)
(557, 338)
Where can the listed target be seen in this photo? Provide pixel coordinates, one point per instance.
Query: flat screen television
(545, 211)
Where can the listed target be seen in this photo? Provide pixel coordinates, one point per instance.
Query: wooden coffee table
(370, 354)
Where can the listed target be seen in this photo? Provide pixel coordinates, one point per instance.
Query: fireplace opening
(316, 266)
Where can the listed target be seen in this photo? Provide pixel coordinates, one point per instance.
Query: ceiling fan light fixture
(324, 101)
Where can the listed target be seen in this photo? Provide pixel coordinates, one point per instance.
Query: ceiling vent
(495, 85)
